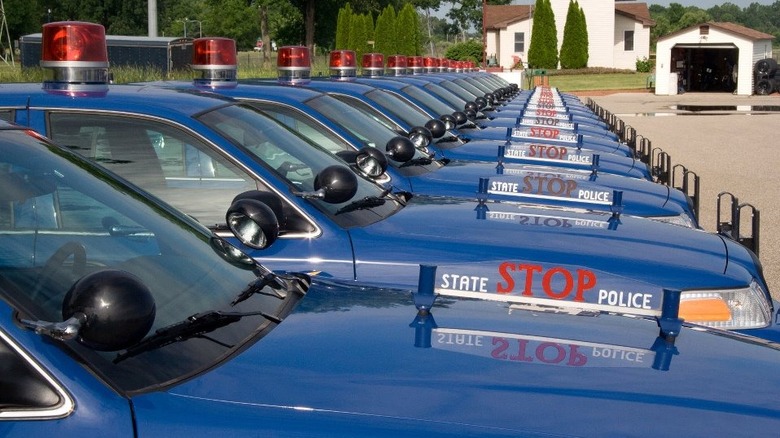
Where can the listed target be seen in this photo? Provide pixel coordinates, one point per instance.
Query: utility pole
(151, 19)
(484, 36)
(9, 50)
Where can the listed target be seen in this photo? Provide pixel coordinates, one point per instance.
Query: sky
(704, 4)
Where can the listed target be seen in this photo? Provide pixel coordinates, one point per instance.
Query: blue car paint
(433, 83)
(461, 179)
(413, 92)
(488, 246)
(480, 375)
(522, 135)
(488, 150)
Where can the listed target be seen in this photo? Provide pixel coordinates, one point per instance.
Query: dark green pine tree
(343, 25)
(384, 34)
(582, 41)
(569, 56)
(368, 28)
(405, 29)
(543, 51)
(356, 32)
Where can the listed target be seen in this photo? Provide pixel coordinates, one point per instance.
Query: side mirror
(336, 183)
(420, 136)
(449, 121)
(400, 149)
(370, 161)
(460, 117)
(436, 127)
(107, 310)
(252, 221)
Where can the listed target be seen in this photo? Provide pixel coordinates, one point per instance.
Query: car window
(407, 111)
(437, 106)
(164, 160)
(305, 125)
(369, 111)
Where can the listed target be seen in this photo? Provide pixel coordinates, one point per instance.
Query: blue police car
(120, 316)
(340, 127)
(299, 208)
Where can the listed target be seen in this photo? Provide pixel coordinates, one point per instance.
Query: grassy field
(251, 65)
(599, 81)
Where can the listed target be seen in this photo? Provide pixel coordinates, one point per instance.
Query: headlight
(735, 309)
(682, 220)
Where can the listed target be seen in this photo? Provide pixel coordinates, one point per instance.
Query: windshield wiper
(449, 139)
(362, 204)
(195, 326)
(419, 161)
(256, 287)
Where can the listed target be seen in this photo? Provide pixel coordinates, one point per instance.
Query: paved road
(730, 141)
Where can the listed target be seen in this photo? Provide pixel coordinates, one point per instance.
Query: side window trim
(64, 409)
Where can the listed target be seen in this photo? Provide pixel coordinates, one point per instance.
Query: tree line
(314, 22)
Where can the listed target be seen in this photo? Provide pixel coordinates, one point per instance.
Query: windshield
(295, 160)
(475, 85)
(363, 127)
(400, 107)
(62, 218)
(469, 87)
(459, 91)
(436, 105)
(448, 96)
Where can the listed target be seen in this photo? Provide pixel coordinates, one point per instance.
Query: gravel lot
(730, 141)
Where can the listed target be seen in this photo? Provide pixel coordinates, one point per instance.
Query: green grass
(599, 81)
(251, 65)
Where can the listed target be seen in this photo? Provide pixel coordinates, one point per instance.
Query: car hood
(351, 363)
(547, 185)
(544, 154)
(490, 241)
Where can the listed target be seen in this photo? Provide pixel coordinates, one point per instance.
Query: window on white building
(628, 40)
(519, 42)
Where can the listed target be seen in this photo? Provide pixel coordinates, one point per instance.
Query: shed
(710, 57)
(164, 53)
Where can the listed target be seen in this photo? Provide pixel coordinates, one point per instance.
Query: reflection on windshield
(352, 119)
(61, 219)
(431, 102)
(401, 108)
(294, 159)
(447, 95)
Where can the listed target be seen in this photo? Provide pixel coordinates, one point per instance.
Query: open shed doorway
(708, 69)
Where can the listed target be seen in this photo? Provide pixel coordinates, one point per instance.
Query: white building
(618, 31)
(708, 57)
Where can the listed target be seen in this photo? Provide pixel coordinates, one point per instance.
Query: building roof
(635, 11)
(733, 28)
(500, 16)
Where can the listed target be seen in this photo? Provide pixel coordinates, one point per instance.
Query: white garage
(710, 57)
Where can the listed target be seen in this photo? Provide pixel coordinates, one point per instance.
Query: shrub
(468, 51)
(644, 65)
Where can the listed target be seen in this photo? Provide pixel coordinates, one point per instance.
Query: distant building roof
(733, 28)
(500, 16)
(636, 11)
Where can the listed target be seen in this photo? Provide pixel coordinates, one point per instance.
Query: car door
(195, 176)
